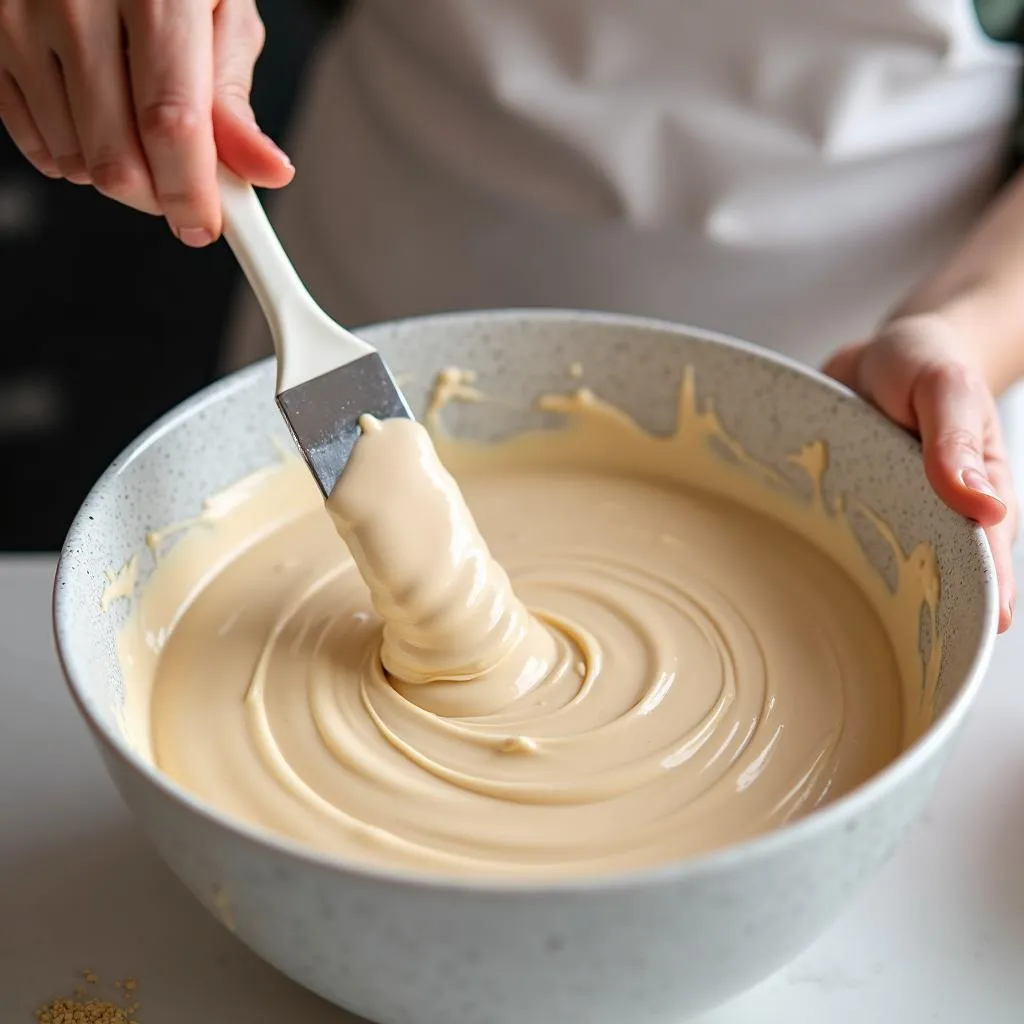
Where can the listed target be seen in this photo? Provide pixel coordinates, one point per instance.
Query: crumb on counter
(79, 1009)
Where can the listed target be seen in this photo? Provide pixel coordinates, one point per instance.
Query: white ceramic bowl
(647, 948)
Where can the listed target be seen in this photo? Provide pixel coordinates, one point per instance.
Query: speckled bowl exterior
(647, 948)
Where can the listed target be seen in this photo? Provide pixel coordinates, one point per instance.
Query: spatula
(326, 377)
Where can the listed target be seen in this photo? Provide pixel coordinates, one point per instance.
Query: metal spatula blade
(326, 377)
(323, 414)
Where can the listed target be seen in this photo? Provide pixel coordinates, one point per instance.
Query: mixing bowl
(648, 947)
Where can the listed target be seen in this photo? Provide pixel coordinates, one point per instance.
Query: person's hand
(919, 371)
(138, 98)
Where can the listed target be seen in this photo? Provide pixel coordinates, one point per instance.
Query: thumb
(954, 420)
(238, 41)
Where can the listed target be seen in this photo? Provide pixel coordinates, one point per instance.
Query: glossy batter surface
(618, 669)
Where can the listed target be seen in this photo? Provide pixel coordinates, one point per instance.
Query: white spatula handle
(308, 343)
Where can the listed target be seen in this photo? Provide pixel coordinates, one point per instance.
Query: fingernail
(194, 237)
(976, 481)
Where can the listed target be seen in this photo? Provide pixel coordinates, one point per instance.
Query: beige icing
(692, 672)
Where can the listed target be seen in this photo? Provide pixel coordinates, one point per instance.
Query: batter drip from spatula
(456, 639)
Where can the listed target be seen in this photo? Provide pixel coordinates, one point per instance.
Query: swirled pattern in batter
(706, 674)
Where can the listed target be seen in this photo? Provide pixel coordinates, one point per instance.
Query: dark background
(106, 321)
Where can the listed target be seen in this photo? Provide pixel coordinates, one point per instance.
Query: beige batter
(643, 671)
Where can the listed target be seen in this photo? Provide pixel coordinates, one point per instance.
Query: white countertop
(937, 938)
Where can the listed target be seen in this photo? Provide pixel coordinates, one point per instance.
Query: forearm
(981, 289)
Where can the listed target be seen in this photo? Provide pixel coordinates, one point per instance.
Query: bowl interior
(770, 405)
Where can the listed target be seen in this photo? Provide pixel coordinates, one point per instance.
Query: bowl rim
(908, 762)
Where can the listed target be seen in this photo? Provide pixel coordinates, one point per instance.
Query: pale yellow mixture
(642, 671)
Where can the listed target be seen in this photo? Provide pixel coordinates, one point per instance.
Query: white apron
(779, 170)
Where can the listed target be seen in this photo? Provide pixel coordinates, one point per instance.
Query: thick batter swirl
(642, 671)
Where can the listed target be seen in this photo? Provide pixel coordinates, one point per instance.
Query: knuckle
(169, 121)
(180, 204)
(116, 175)
(180, 207)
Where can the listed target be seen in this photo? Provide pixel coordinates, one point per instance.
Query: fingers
(238, 41)
(92, 56)
(966, 463)
(842, 365)
(33, 95)
(141, 126)
(171, 71)
(46, 95)
(1001, 538)
(65, 95)
(958, 424)
(22, 128)
(913, 373)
